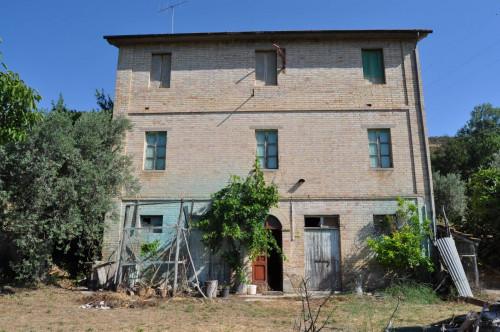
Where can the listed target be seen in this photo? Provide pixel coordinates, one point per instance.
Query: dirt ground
(51, 308)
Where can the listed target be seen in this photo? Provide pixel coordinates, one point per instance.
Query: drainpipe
(426, 147)
(292, 227)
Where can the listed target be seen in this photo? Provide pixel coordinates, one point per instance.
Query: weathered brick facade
(321, 107)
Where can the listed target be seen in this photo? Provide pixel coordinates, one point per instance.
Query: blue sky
(57, 46)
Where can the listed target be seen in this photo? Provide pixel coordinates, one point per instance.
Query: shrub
(401, 252)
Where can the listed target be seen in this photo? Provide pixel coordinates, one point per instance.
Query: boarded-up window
(160, 70)
(156, 149)
(267, 148)
(266, 68)
(379, 144)
(373, 66)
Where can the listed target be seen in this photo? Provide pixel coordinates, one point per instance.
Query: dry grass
(51, 308)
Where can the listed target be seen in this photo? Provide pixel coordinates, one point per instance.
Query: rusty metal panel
(323, 259)
(208, 266)
(449, 253)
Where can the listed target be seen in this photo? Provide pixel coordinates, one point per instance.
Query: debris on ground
(483, 321)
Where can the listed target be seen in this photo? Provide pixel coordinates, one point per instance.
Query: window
(380, 222)
(266, 68)
(156, 147)
(160, 70)
(379, 147)
(322, 221)
(152, 221)
(373, 66)
(267, 148)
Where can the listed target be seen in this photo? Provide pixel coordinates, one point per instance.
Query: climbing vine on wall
(236, 218)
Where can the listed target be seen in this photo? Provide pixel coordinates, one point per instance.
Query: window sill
(269, 169)
(381, 168)
(153, 170)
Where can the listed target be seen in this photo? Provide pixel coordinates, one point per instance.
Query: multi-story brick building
(336, 118)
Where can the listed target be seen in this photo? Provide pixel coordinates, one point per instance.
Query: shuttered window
(267, 148)
(266, 68)
(379, 148)
(373, 66)
(156, 148)
(160, 70)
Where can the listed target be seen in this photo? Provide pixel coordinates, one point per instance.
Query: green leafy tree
(57, 186)
(400, 251)
(474, 145)
(236, 217)
(18, 109)
(449, 191)
(483, 220)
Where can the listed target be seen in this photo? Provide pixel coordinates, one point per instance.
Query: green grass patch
(415, 293)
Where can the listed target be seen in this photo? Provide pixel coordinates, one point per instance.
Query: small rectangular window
(160, 70)
(156, 148)
(322, 221)
(380, 223)
(152, 222)
(379, 143)
(373, 66)
(267, 148)
(266, 71)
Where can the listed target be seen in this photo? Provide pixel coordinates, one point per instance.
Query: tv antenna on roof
(167, 7)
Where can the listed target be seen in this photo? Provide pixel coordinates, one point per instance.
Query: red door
(259, 266)
(259, 272)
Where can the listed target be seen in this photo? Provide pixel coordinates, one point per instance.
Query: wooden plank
(177, 247)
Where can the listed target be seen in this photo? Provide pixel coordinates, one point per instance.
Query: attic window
(266, 68)
(160, 70)
(322, 221)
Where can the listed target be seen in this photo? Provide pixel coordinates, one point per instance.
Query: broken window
(152, 222)
(373, 66)
(322, 221)
(379, 148)
(266, 68)
(156, 148)
(267, 149)
(160, 70)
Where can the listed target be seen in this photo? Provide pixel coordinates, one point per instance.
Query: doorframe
(264, 286)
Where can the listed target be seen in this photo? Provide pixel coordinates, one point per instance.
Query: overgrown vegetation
(18, 106)
(400, 251)
(474, 154)
(234, 225)
(57, 186)
(412, 292)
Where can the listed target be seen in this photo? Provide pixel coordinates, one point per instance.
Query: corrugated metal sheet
(449, 253)
(323, 259)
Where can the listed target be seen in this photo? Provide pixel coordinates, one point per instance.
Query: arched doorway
(267, 269)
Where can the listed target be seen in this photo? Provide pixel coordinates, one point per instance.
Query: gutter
(426, 144)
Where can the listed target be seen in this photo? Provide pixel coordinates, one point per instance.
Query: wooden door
(259, 271)
(323, 259)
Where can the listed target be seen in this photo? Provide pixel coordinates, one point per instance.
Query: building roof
(416, 34)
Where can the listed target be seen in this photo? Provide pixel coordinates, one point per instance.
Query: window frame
(378, 228)
(266, 148)
(379, 154)
(321, 222)
(273, 81)
(155, 154)
(373, 79)
(161, 83)
(153, 229)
